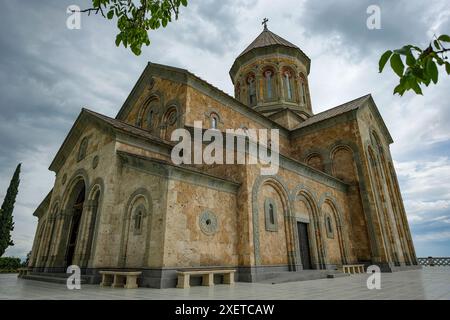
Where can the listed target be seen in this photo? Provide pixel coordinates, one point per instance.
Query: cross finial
(265, 20)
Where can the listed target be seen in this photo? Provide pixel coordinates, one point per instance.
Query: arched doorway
(77, 210)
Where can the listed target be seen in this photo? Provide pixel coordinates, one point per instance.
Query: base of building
(167, 277)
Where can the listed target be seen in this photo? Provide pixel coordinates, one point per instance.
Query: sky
(48, 73)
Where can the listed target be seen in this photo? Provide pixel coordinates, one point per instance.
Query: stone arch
(315, 160)
(252, 89)
(343, 164)
(92, 221)
(130, 256)
(289, 80)
(303, 89)
(280, 187)
(336, 214)
(69, 226)
(317, 247)
(147, 116)
(80, 174)
(270, 85)
(171, 119)
(213, 113)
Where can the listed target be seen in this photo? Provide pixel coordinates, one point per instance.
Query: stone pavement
(428, 283)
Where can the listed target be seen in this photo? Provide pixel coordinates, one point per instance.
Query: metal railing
(434, 261)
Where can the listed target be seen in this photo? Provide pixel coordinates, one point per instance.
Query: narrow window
(269, 79)
(251, 91)
(150, 119)
(138, 221)
(330, 228)
(83, 149)
(287, 84)
(271, 214)
(214, 121)
(303, 93)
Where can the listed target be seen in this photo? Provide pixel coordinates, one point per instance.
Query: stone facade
(119, 202)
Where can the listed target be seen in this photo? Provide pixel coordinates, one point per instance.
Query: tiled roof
(118, 124)
(333, 112)
(268, 38)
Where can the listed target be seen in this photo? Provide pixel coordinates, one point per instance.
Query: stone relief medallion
(64, 178)
(172, 118)
(208, 223)
(95, 162)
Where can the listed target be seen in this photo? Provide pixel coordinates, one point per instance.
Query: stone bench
(22, 272)
(120, 279)
(207, 277)
(353, 268)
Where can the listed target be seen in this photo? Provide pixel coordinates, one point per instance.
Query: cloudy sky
(48, 73)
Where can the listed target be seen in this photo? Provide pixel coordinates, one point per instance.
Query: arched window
(150, 119)
(237, 91)
(82, 150)
(251, 83)
(138, 220)
(214, 121)
(287, 79)
(271, 214)
(303, 90)
(268, 76)
(329, 226)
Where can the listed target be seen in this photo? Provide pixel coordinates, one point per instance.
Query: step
(53, 278)
(303, 275)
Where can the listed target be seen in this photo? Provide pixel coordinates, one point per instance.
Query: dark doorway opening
(304, 244)
(75, 225)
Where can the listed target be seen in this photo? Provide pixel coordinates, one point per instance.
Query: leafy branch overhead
(136, 17)
(415, 66)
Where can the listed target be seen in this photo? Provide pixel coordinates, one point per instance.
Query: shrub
(10, 264)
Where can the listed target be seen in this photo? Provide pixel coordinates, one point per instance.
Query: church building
(120, 203)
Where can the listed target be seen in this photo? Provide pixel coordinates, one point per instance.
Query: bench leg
(106, 280)
(118, 281)
(183, 281)
(131, 282)
(208, 279)
(228, 278)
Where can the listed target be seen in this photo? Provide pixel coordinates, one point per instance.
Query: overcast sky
(48, 73)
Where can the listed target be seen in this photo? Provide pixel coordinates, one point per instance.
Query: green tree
(136, 17)
(6, 217)
(421, 64)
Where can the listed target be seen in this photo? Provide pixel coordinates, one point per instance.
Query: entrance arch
(75, 206)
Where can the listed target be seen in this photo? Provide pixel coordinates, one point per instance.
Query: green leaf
(414, 85)
(397, 64)
(384, 58)
(447, 67)
(444, 37)
(118, 39)
(399, 89)
(184, 3)
(432, 70)
(410, 60)
(436, 44)
(110, 14)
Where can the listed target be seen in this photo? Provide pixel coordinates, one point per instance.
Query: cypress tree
(6, 211)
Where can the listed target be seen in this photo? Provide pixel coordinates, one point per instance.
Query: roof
(123, 126)
(268, 38)
(333, 112)
(116, 124)
(344, 108)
